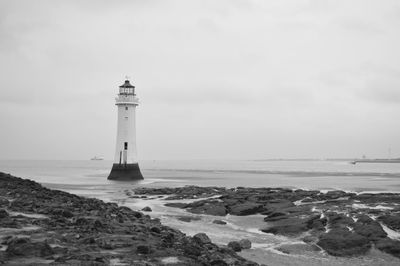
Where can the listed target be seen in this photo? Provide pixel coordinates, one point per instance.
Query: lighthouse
(125, 166)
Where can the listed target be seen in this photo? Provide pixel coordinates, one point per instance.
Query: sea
(89, 178)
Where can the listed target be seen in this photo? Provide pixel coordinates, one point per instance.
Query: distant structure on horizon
(125, 166)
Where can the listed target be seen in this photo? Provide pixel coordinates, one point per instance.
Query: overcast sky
(216, 79)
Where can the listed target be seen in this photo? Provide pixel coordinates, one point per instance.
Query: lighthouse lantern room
(125, 166)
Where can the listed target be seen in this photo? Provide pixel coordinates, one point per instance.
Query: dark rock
(277, 204)
(192, 249)
(3, 214)
(98, 224)
(201, 238)
(105, 244)
(306, 200)
(136, 214)
(247, 208)
(389, 246)
(2, 257)
(219, 222)
(176, 205)
(143, 249)
(218, 262)
(245, 244)
(298, 248)
(217, 209)
(121, 218)
(147, 209)
(187, 192)
(156, 230)
(342, 242)
(274, 216)
(130, 213)
(235, 246)
(391, 220)
(24, 247)
(89, 240)
(62, 212)
(4, 202)
(201, 203)
(67, 214)
(168, 239)
(339, 220)
(369, 228)
(372, 198)
(317, 223)
(188, 219)
(310, 239)
(292, 226)
(88, 231)
(82, 221)
(334, 194)
(301, 209)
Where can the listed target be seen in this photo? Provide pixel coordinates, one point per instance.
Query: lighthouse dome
(127, 84)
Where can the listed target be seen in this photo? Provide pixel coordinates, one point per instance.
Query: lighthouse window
(125, 145)
(126, 108)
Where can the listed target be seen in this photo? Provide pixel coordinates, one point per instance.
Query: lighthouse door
(125, 153)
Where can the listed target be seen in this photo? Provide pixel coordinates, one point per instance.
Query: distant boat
(97, 158)
(376, 161)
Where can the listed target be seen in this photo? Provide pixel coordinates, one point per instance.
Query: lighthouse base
(125, 172)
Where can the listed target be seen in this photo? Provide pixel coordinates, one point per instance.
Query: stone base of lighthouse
(125, 172)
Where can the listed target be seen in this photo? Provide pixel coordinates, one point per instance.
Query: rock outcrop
(40, 225)
(342, 223)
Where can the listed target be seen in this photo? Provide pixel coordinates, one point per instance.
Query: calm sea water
(309, 174)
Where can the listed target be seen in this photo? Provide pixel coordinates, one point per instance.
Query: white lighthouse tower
(126, 165)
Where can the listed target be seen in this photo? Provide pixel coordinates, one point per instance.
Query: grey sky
(216, 79)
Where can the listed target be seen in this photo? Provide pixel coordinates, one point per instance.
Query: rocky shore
(337, 222)
(39, 226)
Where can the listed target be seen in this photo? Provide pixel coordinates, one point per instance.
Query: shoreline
(195, 216)
(149, 185)
(45, 226)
